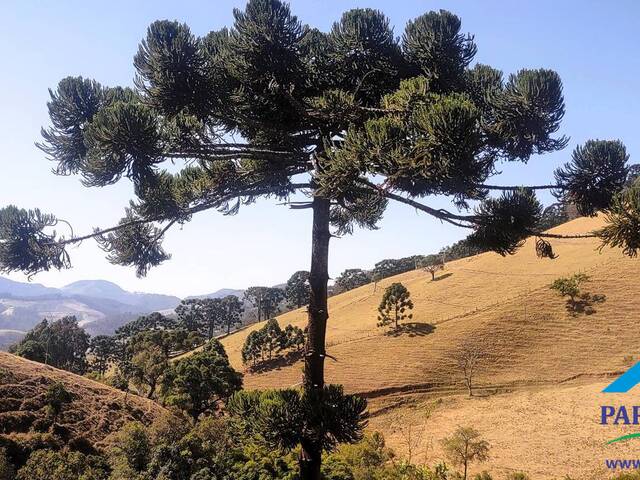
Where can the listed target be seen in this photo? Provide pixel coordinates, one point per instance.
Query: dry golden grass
(504, 302)
(534, 348)
(96, 410)
(548, 432)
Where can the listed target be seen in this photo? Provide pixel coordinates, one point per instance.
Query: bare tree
(468, 358)
(433, 269)
(413, 433)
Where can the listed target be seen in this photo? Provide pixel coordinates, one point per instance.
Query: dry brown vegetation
(535, 349)
(95, 411)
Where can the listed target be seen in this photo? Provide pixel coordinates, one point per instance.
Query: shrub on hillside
(518, 476)
(57, 397)
(569, 286)
(483, 476)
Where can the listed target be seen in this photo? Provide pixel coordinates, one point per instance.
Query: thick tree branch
(217, 203)
(560, 236)
(441, 214)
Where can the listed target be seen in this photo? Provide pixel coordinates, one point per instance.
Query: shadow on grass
(412, 329)
(585, 304)
(442, 277)
(276, 362)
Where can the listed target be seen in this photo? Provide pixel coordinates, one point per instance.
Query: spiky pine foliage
(340, 106)
(287, 418)
(25, 244)
(597, 171)
(137, 244)
(395, 304)
(433, 45)
(623, 222)
(505, 222)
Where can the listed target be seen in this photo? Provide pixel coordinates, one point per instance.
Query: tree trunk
(311, 451)
(152, 390)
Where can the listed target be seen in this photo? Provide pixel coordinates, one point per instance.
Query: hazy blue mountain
(23, 289)
(100, 306)
(223, 292)
(111, 291)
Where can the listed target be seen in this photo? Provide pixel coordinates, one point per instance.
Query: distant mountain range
(100, 306)
(223, 292)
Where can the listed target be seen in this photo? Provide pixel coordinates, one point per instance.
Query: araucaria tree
(297, 290)
(394, 305)
(351, 278)
(266, 300)
(349, 119)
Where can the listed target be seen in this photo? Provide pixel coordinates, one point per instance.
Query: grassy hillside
(96, 410)
(503, 302)
(533, 345)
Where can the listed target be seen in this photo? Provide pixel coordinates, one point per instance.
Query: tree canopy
(200, 382)
(297, 290)
(61, 344)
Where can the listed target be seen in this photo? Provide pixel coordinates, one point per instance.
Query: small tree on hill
(273, 339)
(294, 337)
(395, 302)
(570, 286)
(149, 361)
(252, 348)
(433, 269)
(297, 290)
(200, 383)
(464, 447)
(469, 357)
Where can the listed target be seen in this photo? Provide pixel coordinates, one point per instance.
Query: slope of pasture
(550, 432)
(96, 410)
(502, 302)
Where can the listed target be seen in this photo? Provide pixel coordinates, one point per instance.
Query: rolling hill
(538, 401)
(95, 412)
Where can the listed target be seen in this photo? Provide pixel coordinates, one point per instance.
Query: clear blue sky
(593, 46)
